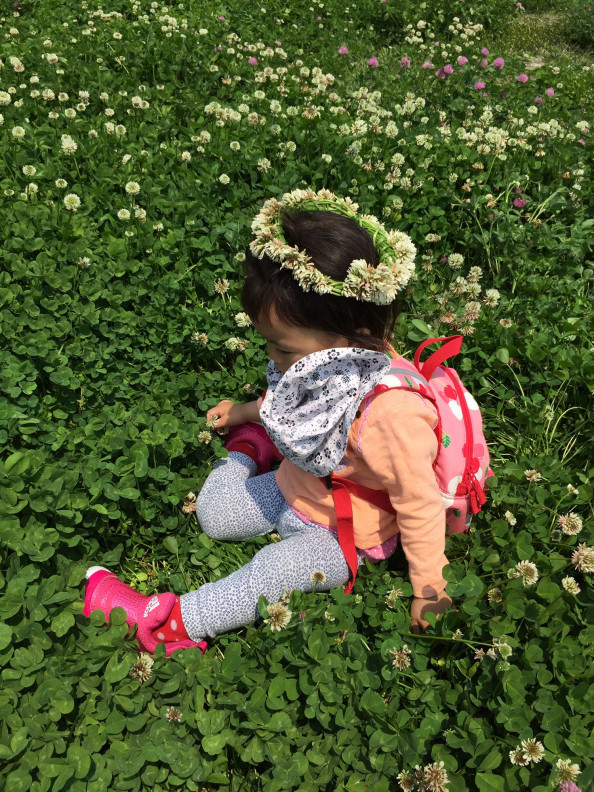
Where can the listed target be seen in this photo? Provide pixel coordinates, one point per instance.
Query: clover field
(138, 140)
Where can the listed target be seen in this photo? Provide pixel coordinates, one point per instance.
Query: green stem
(444, 638)
(546, 611)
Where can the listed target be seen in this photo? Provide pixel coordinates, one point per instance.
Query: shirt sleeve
(399, 445)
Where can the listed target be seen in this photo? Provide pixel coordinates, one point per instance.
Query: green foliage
(578, 25)
(121, 332)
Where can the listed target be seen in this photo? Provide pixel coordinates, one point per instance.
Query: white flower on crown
(379, 285)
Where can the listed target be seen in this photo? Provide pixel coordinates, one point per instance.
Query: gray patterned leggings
(235, 503)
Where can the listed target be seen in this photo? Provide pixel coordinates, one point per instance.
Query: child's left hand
(419, 607)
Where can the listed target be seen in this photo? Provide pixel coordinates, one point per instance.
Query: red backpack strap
(344, 516)
(451, 347)
(344, 527)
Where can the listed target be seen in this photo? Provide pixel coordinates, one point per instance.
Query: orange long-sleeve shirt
(391, 446)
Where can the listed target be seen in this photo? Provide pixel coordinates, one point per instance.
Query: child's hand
(225, 414)
(419, 607)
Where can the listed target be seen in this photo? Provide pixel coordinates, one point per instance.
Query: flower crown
(379, 285)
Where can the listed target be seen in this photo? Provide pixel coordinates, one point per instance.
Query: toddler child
(321, 288)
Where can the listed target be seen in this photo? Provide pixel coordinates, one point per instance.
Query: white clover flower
(18, 132)
(401, 657)
(132, 188)
(51, 57)
(533, 749)
(200, 338)
(236, 344)
(84, 262)
(566, 771)
(124, 214)
(204, 437)
(242, 320)
(224, 179)
(140, 214)
(5, 98)
(142, 669)
(583, 558)
(69, 146)
(570, 524)
(527, 571)
(533, 475)
(186, 156)
(29, 170)
(492, 297)
(393, 595)
(494, 595)
(120, 130)
(72, 202)
(510, 518)
(455, 260)
(570, 584)
(279, 616)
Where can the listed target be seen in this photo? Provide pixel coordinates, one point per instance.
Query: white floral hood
(308, 411)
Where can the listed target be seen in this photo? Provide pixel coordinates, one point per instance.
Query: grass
(541, 37)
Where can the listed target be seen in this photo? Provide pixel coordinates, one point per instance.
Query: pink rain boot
(105, 591)
(255, 435)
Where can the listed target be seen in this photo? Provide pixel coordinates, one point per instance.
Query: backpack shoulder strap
(341, 488)
(450, 348)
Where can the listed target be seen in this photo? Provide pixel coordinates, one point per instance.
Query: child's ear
(363, 331)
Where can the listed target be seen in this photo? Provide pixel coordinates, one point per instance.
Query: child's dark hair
(332, 241)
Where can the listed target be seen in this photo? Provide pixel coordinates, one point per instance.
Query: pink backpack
(462, 463)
